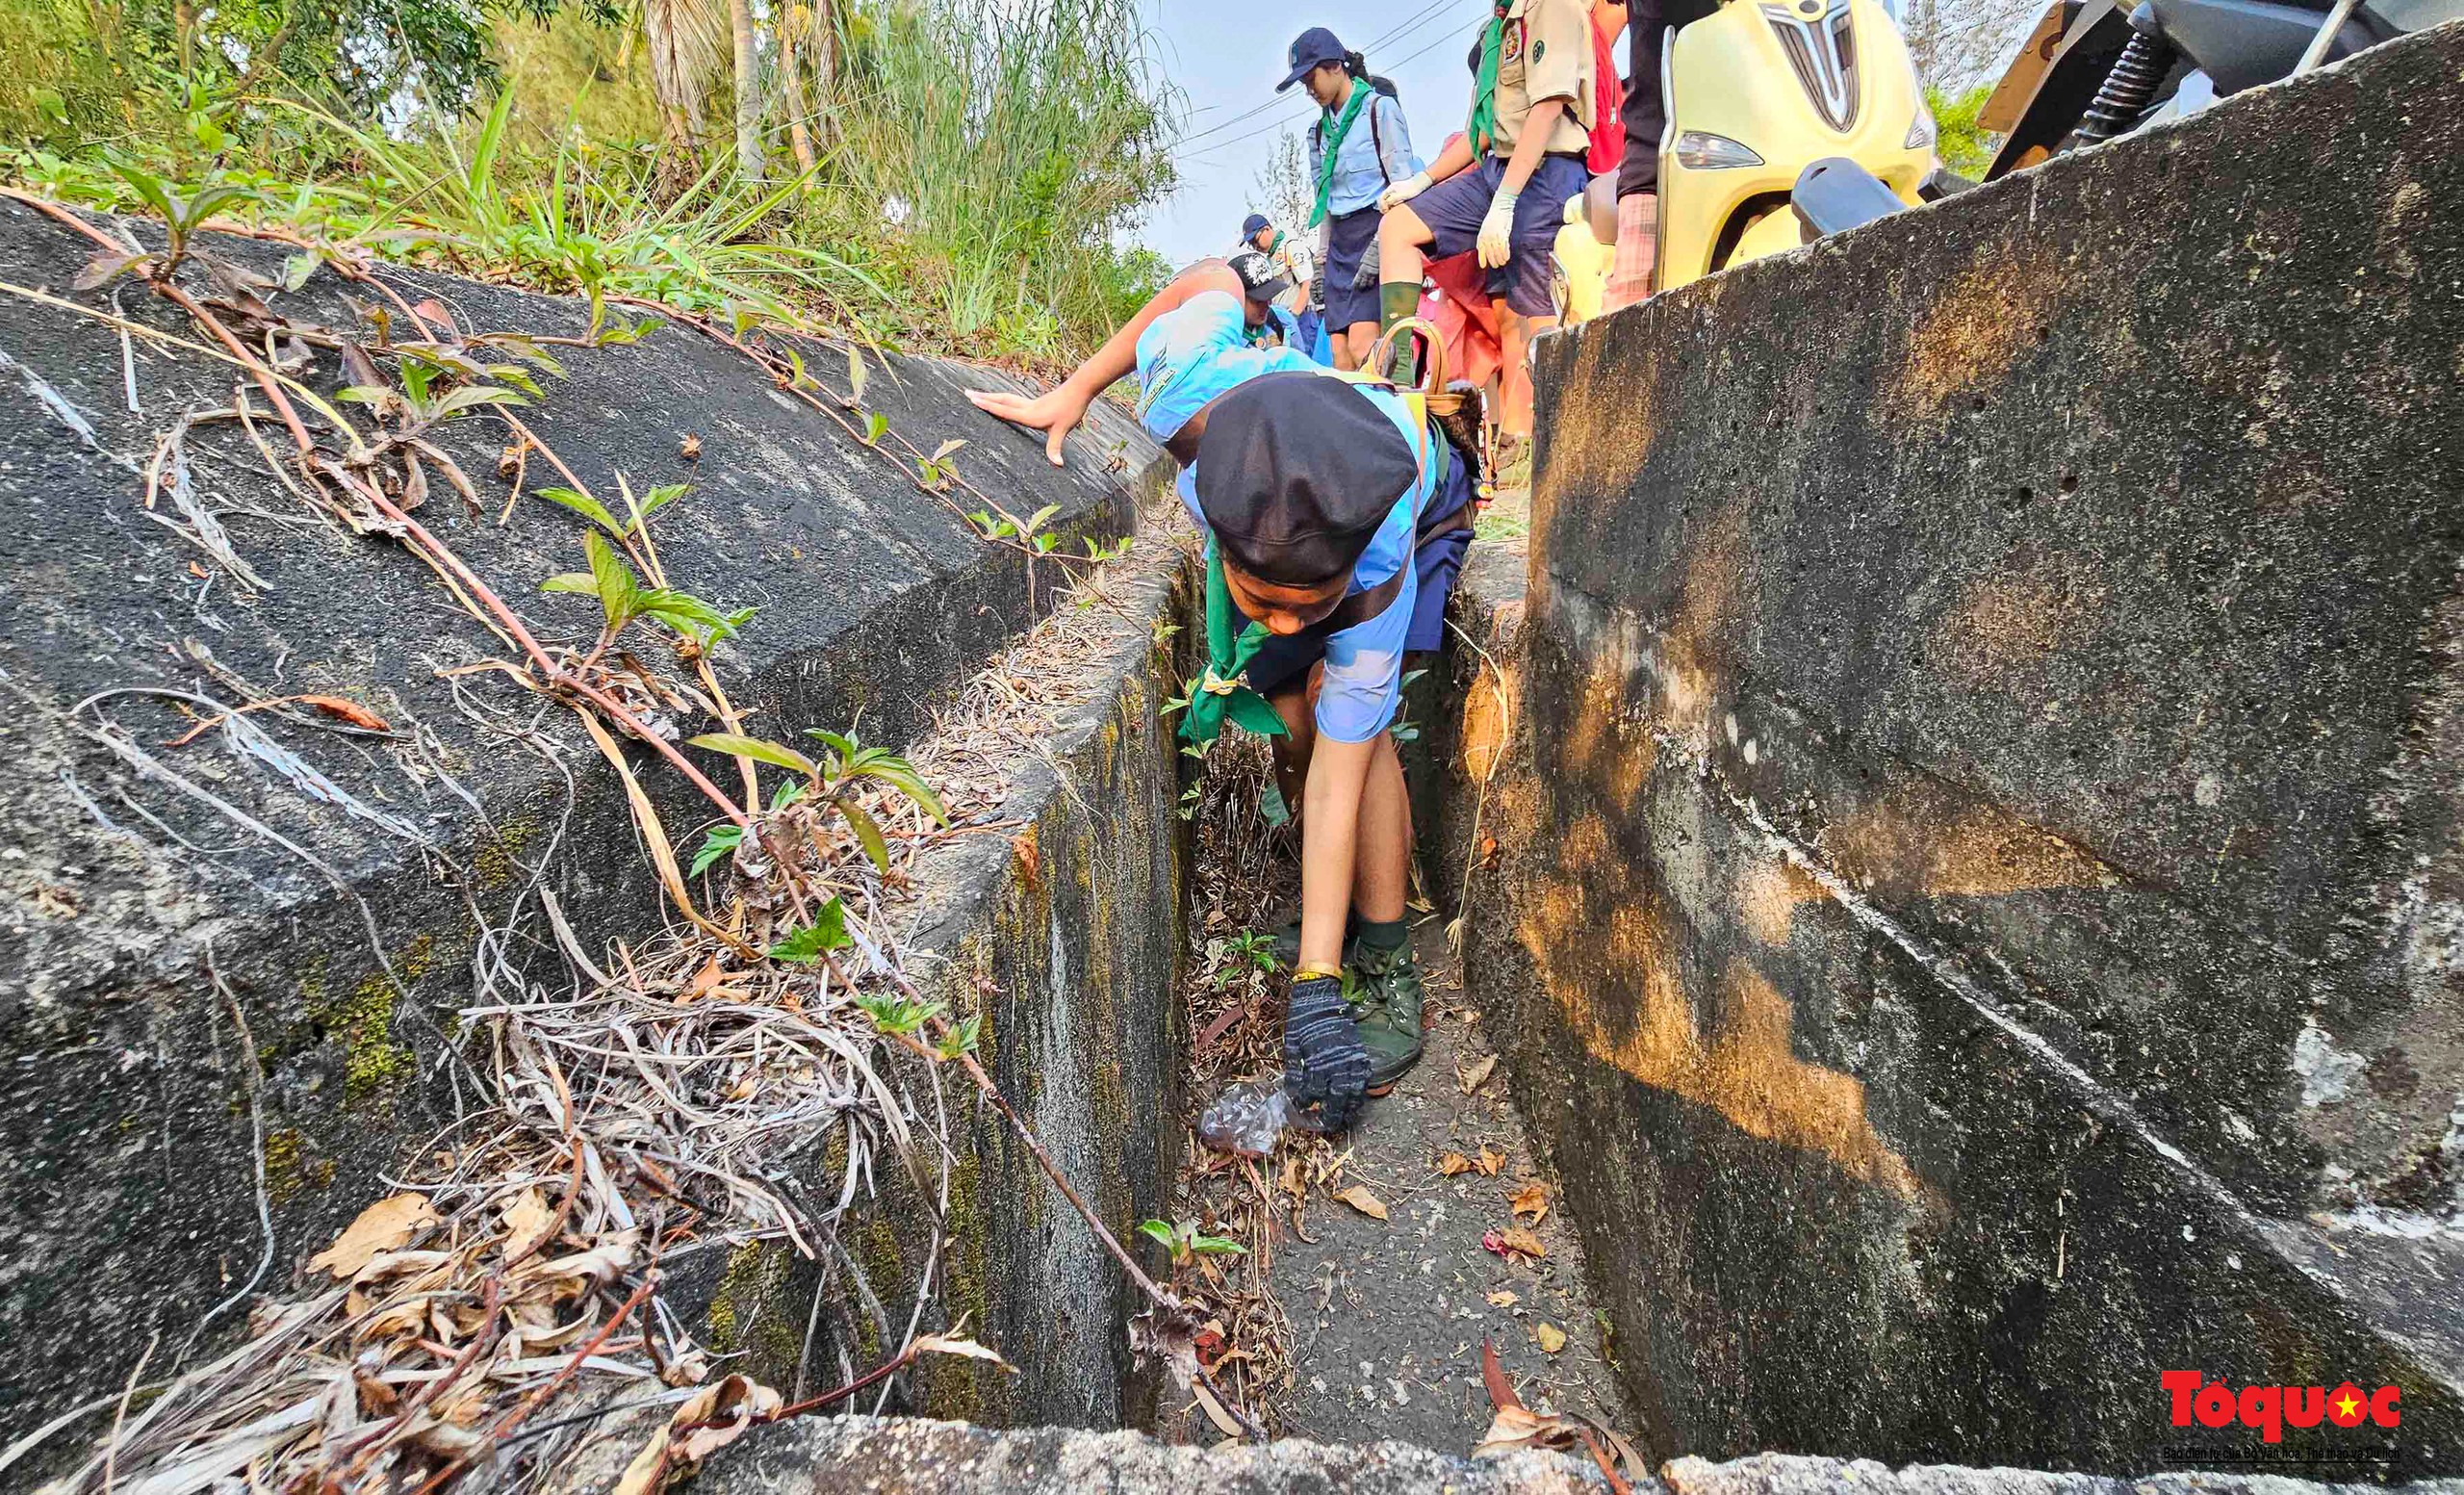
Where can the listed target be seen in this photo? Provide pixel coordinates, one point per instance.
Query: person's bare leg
(1400, 238)
(1353, 343)
(1516, 347)
(1381, 867)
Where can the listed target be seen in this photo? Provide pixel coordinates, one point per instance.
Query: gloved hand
(1367, 276)
(1403, 191)
(1323, 1062)
(1497, 230)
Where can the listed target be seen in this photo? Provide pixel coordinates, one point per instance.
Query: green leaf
(876, 427)
(618, 592)
(1217, 1246)
(785, 794)
(722, 841)
(868, 833)
(582, 582)
(1160, 1231)
(585, 506)
(754, 748)
(659, 498)
(1042, 515)
(806, 945)
(856, 375)
(962, 1036)
(296, 269)
(942, 451)
(471, 395)
(364, 394)
(148, 188)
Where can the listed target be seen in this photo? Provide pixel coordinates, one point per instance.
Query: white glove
(1403, 191)
(1496, 231)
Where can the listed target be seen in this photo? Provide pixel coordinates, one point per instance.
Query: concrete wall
(1981, 899)
(127, 1201)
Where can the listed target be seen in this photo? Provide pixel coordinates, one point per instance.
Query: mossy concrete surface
(127, 1191)
(1979, 879)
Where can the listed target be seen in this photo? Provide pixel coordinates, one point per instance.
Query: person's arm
(1059, 409)
(1531, 145)
(1329, 842)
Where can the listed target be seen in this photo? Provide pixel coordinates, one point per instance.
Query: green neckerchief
(1330, 137)
(1484, 90)
(1218, 692)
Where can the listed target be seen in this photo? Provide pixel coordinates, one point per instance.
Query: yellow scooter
(1755, 93)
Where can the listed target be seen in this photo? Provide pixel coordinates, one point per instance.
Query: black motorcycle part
(2129, 88)
(1835, 194)
(2242, 43)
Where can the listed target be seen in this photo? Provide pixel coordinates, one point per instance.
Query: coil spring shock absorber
(2130, 85)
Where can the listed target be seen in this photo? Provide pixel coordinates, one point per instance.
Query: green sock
(1382, 935)
(1397, 300)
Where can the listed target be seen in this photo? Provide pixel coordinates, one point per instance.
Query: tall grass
(984, 160)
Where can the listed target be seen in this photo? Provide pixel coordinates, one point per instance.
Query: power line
(1411, 23)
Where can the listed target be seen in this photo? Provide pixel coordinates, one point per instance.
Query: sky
(1227, 58)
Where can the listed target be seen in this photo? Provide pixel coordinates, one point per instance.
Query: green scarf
(1484, 89)
(1218, 692)
(1330, 137)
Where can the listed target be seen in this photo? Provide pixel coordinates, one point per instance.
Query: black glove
(1323, 1062)
(1367, 276)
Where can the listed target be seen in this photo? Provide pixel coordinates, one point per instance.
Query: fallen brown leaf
(526, 1221)
(967, 1349)
(1215, 1412)
(1360, 1198)
(1552, 1338)
(729, 1407)
(1476, 1074)
(1503, 1297)
(1522, 1242)
(1490, 1160)
(1531, 1200)
(690, 448)
(343, 709)
(382, 1227)
(1453, 1162)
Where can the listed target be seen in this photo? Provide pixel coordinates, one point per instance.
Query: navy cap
(1296, 472)
(1260, 281)
(1309, 49)
(1251, 225)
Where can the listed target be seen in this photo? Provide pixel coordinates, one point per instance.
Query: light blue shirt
(1200, 349)
(1365, 662)
(1194, 352)
(1358, 179)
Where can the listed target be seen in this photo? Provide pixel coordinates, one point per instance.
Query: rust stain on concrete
(2001, 621)
(1980, 850)
(1487, 708)
(1767, 895)
(1622, 991)
(1973, 333)
(1608, 746)
(1599, 433)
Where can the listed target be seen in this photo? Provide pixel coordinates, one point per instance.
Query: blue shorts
(1453, 208)
(1346, 304)
(1283, 661)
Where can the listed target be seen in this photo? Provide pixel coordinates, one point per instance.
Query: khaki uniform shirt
(1545, 53)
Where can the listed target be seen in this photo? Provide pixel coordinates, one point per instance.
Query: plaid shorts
(1630, 273)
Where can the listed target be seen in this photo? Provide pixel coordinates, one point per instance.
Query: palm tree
(683, 37)
(747, 92)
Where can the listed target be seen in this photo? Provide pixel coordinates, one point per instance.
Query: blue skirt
(1355, 233)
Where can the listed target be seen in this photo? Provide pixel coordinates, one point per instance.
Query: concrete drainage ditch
(1964, 896)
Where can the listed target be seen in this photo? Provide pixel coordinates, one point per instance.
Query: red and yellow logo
(2270, 1409)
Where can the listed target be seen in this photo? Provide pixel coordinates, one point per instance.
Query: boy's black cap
(1295, 472)
(1251, 225)
(1309, 49)
(1260, 280)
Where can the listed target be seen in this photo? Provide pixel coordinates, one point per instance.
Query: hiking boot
(1513, 474)
(1387, 1007)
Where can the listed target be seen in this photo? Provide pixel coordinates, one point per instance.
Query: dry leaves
(1489, 1161)
(527, 1220)
(713, 1418)
(1473, 1075)
(1360, 1198)
(343, 709)
(1531, 1200)
(382, 1227)
(1503, 1297)
(1453, 1162)
(1549, 1337)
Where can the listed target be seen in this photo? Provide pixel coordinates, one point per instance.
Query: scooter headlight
(1700, 150)
(1920, 131)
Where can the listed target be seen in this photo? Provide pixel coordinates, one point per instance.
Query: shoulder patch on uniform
(1539, 50)
(1510, 45)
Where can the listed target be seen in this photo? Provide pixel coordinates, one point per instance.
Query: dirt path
(1388, 1316)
